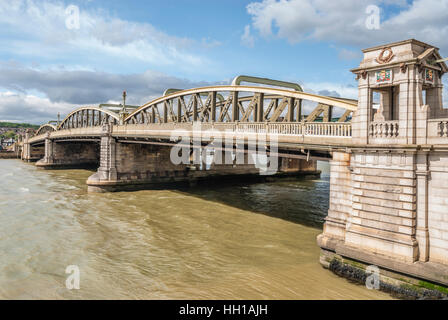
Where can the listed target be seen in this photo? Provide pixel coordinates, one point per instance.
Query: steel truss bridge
(235, 110)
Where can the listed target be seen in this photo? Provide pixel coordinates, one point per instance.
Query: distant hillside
(17, 125)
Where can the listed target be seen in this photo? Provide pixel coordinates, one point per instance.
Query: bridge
(388, 152)
(236, 113)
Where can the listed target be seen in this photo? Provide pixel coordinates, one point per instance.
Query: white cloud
(34, 95)
(346, 54)
(247, 39)
(38, 29)
(343, 22)
(30, 108)
(332, 89)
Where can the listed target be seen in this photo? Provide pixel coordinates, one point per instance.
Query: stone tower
(387, 203)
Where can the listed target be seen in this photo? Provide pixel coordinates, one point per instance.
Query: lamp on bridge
(123, 113)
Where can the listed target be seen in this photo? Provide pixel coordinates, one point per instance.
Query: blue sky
(147, 46)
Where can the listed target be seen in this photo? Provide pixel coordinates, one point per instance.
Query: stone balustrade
(442, 128)
(386, 129)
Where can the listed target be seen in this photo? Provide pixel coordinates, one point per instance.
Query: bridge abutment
(340, 200)
(387, 207)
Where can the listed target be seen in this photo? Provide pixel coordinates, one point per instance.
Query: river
(216, 242)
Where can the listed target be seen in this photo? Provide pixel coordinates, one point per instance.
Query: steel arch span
(85, 117)
(48, 127)
(240, 104)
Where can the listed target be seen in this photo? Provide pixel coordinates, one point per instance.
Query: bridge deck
(331, 134)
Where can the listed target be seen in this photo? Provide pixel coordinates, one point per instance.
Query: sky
(51, 62)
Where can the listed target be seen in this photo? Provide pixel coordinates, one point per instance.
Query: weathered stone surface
(398, 210)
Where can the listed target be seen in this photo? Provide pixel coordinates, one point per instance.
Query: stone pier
(31, 153)
(388, 204)
(130, 165)
(70, 154)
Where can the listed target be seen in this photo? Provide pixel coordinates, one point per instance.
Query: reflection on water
(233, 242)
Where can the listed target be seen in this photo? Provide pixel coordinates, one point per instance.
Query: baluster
(445, 129)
